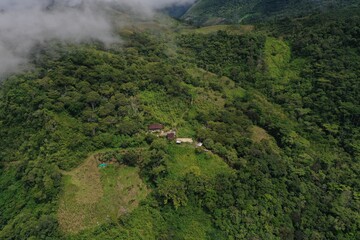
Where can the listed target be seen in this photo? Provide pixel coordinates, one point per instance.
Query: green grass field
(184, 160)
(279, 62)
(277, 57)
(94, 196)
(163, 108)
(227, 84)
(191, 222)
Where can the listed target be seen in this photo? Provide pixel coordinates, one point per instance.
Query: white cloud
(25, 23)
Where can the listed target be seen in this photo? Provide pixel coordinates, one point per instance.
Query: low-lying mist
(26, 23)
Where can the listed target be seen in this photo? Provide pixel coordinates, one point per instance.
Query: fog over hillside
(24, 23)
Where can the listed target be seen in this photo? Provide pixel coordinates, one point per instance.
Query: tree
(93, 98)
(173, 191)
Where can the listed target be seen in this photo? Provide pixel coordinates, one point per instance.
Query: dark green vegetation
(277, 108)
(235, 11)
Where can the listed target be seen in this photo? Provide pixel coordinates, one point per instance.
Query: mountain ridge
(208, 12)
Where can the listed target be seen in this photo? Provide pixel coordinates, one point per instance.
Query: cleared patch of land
(227, 84)
(184, 160)
(280, 65)
(93, 196)
(164, 109)
(259, 134)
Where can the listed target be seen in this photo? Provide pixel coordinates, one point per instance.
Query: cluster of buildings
(158, 129)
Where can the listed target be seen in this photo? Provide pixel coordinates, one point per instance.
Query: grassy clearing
(258, 134)
(231, 90)
(229, 87)
(186, 130)
(188, 222)
(163, 108)
(93, 196)
(191, 223)
(202, 74)
(277, 57)
(230, 29)
(270, 108)
(82, 190)
(279, 63)
(123, 190)
(184, 159)
(208, 101)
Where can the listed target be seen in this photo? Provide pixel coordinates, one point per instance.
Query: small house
(155, 127)
(170, 136)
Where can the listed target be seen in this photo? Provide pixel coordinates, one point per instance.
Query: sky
(26, 23)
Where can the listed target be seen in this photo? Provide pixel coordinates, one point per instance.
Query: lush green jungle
(273, 109)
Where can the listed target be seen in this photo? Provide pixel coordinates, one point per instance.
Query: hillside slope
(215, 11)
(273, 115)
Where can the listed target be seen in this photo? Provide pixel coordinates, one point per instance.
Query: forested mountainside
(273, 110)
(210, 12)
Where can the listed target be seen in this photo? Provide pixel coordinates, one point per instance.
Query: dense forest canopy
(275, 107)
